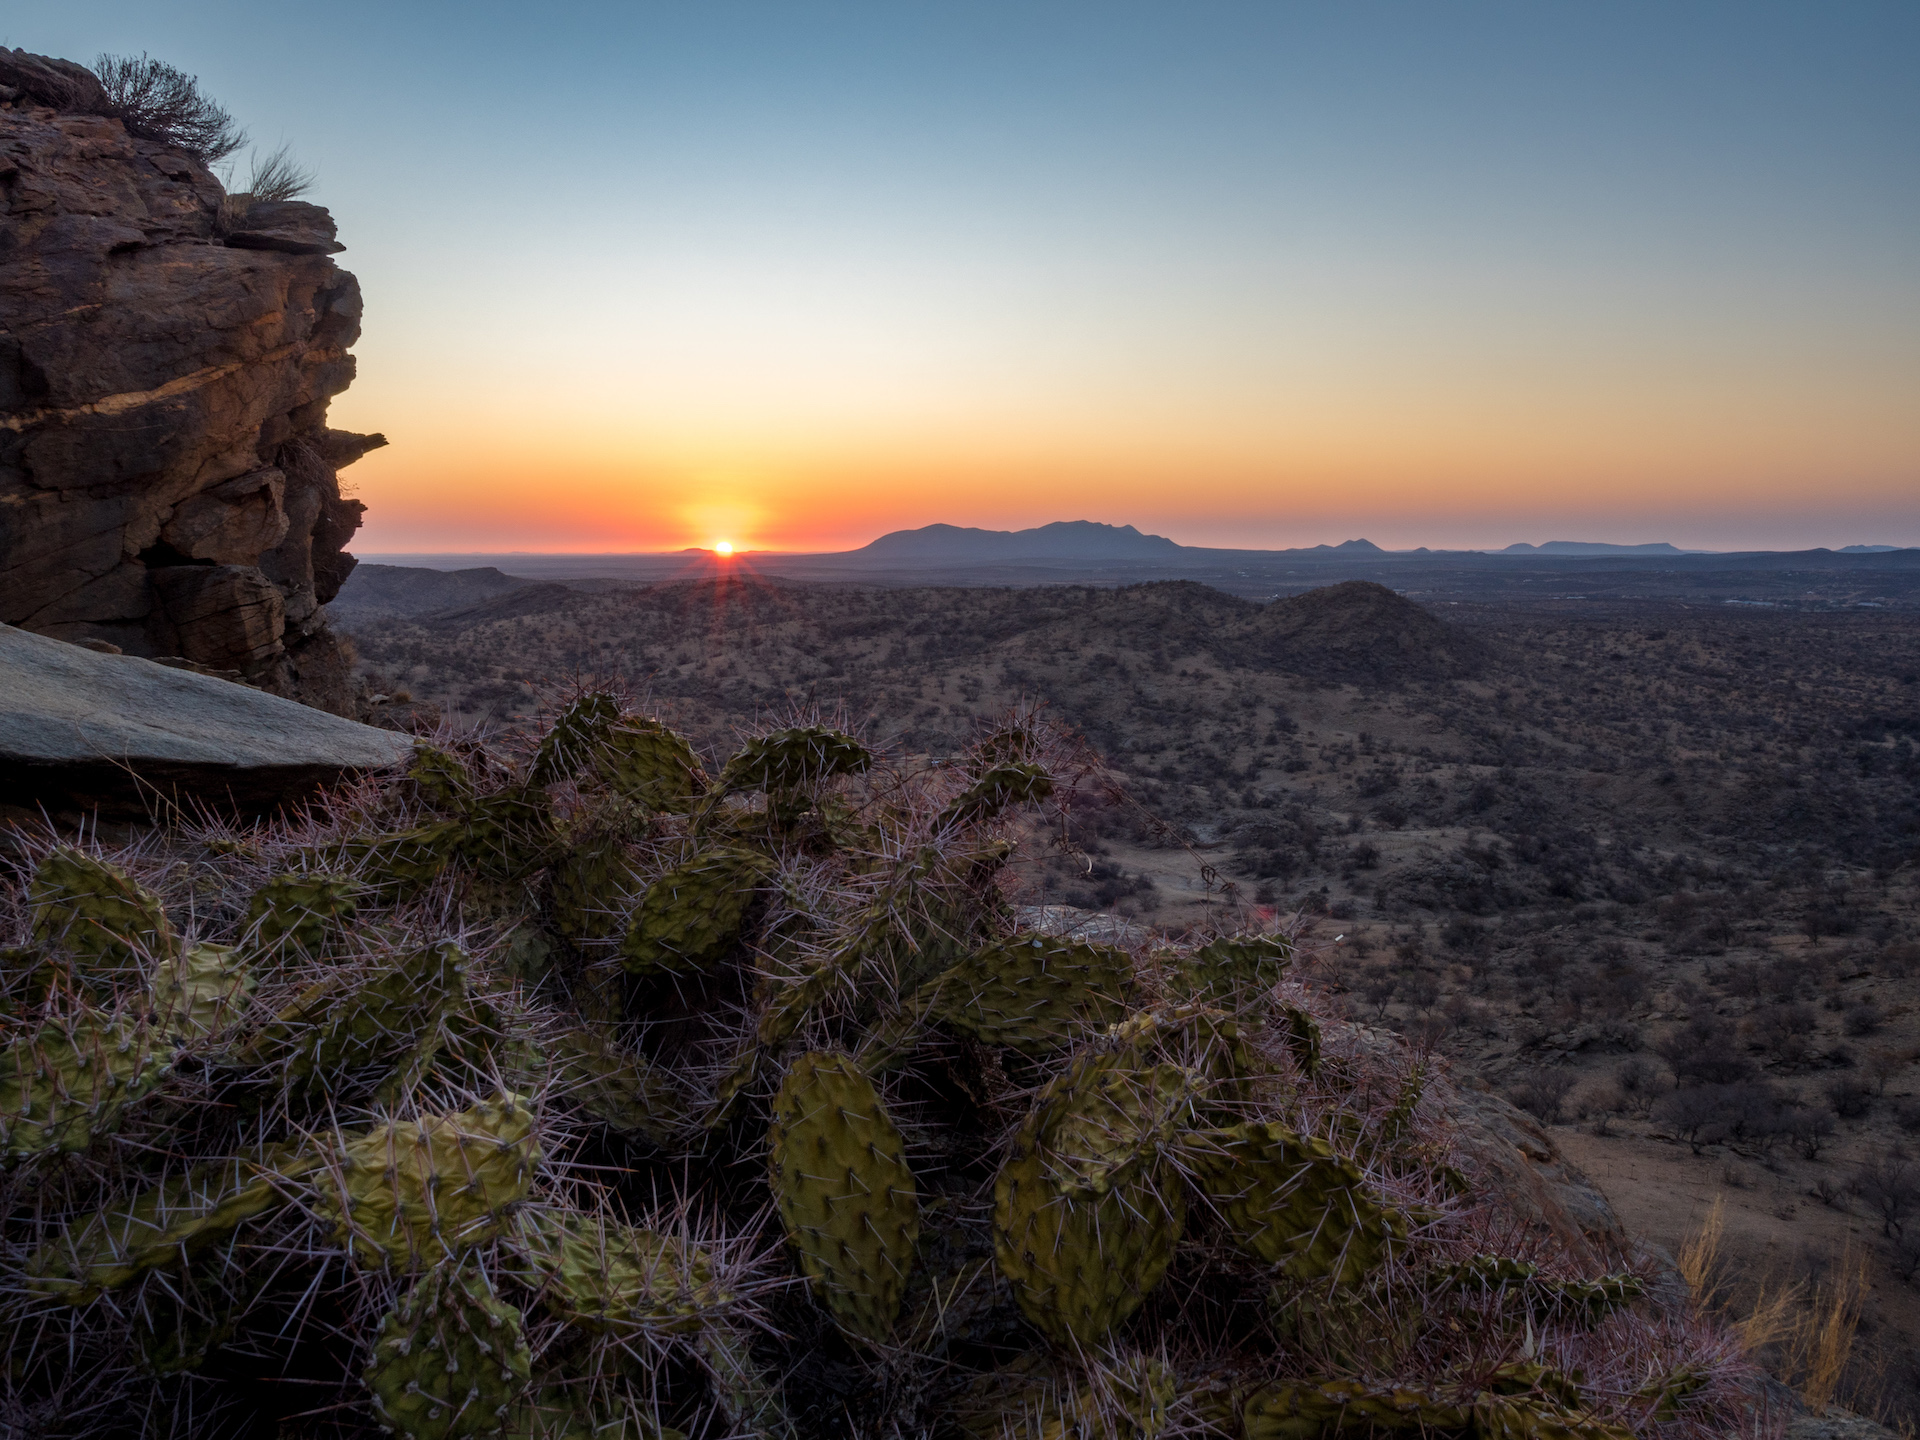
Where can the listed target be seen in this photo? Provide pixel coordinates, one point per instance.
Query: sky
(793, 274)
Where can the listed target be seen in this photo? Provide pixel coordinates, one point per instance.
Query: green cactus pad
(1289, 1199)
(1080, 1266)
(786, 760)
(994, 793)
(450, 1360)
(298, 911)
(435, 1186)
(1501, 1417)
(1302, 1034)
(645, 762)
(165, 1223)
(1117, 1126)
(338, 1030)
(588, 889)
(845, 1194)
(617, 1086)
(402, 863)
(90, 909)
(440, 778)
(692, 915)
(70, 1080)
(506, 835)
(201, 991)
(567, 749)
(611, 1279)
(1238, 966)
(1032, 992)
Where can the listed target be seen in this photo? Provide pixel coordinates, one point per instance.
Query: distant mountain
(373, 590)
(1592, 547)
(1867, 549)
(1064, 540)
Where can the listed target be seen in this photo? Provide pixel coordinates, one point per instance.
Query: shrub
(1543, 1094)
(1862, 1019)
(157, 102)
(1889, 1186)
(1852, 1099)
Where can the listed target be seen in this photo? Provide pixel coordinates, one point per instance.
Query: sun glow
(723, 548)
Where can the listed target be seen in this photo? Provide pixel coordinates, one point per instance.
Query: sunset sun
(723, 547)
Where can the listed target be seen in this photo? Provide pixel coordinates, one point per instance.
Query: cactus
(71, 1080)
(787, 760)
(1079, 1266)
(451, 1359)
(994, 793)
(844, 1191)
(690, 916)
(248, 1146)
(570, 745)
(166, 1223)
(338, 1030)
(1289, 1199)
(644, 762)
(201, 991)
(432, 1187)
(296, 911)
(615, 1279)
(90, 909)
(1031, 994)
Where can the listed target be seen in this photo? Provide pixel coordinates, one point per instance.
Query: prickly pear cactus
(537, 1092)
(71, 1079)
(90, 909)
(298, 911)
(692, 914)
(845, 1193)
(433, 1187)
(451, 1358)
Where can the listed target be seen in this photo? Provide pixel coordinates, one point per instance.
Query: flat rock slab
(80, 730)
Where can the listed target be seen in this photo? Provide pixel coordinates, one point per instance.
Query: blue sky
(1239, 273)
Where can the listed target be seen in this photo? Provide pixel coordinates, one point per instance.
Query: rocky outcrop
(168, 481)
(85, 732)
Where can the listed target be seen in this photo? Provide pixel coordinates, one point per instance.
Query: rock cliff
(168, 480)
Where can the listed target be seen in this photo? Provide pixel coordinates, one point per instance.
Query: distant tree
(155, 101)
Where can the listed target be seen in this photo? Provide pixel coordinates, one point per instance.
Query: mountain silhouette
(1064, 539)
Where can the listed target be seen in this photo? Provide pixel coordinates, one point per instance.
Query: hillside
(1063, 539)
(1570, 844)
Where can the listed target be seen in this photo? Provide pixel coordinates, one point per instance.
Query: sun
(723, 548)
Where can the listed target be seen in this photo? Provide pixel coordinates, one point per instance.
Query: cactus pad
(1080, 1266)
(615, 1279)
(845, 1194)
(71, 1079)
(434, 1186)
(450, 1360)
(645, 762)
(693, 913)
(577, 732)
(1238, 965)
(786, 760)
(1288, 1198)
(994, 793)
(92, 910)
(201, 991)
(298, 911)
(1031, 992)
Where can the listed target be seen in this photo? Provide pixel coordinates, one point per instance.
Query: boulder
(85, 730)
(166, 363)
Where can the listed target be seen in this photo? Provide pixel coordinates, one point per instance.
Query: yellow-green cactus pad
(785, 760)
(201, 991)
(435, 1186)
(451, 1359)
(299, 911)
(1289, 1199)
(1031, 992)
(996, 792)
(694, 913)
(844, 1192)
(94, 911)
(612, 1279)
(645, 762)
(70, 1079)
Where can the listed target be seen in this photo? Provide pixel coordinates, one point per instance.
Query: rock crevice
(168, 479)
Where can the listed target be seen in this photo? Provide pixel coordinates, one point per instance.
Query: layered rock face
(168, 481)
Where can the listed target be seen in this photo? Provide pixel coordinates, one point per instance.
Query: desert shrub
(1782, 1030)
(1888, 1184)
(1543, 1094)
(1852, 1099)
(1703, 1052)
(1862, 1019)
(597, 1090)
(155, 101)
(277, 176)
(1810, 1127)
